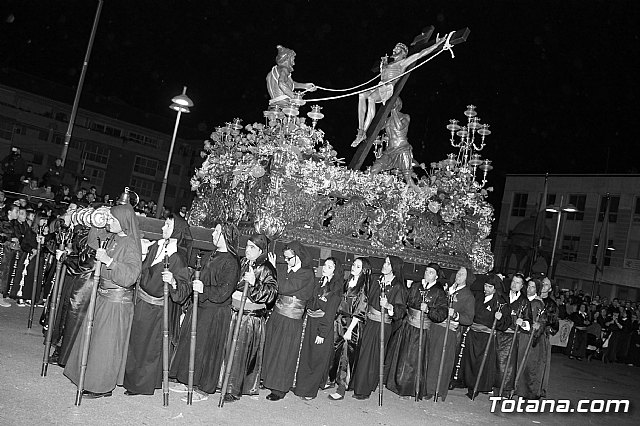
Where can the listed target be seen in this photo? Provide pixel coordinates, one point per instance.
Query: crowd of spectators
(603, 329)
(29, 207)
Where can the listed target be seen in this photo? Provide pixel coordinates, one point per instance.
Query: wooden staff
(52, 312)
(234, 342)
(194, 323)
(526, 355)
(513, 345)
(165, 335)
(89, 327)
(420, 352)
(383, 311)
(444, 350)
(485, 354)
(34, 288)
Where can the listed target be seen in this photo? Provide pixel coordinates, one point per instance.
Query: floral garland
(286, 174)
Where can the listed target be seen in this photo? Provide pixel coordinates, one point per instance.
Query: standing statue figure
(280, 84)
(389, 71)
(399, 153)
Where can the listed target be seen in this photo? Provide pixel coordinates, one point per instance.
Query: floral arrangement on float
(284, 174)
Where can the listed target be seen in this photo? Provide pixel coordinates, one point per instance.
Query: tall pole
(538, 228)
(163, 188)
(83, 73)
(555, 238)
(603, 243)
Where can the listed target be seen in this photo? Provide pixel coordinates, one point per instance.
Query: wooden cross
(419, 43)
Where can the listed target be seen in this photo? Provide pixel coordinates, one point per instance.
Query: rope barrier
(447, 46)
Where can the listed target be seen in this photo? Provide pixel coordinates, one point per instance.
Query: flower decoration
(285, 174)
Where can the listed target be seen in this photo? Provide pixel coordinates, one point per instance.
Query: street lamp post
(559, 210)
(181, 103)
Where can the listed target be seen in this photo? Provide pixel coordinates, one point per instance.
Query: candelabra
(470, 141)
(286, 117)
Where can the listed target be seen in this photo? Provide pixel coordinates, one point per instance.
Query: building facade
(578, 233)
(108, 151)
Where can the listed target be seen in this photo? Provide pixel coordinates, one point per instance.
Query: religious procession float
(283, 178)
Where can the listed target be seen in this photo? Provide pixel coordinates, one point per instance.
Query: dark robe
(549, 327)
(75, 293)
(9, 251)
(534, 366)
(113, 311)
(284, 334)
(219, 276)
(463, 303)
(315, 358)
(477, 339)
(505, 341)
(402, 358)
(244, 378)
(143, 372)
(577, 344)
(634, 348)
(345, 357)
(366, 376)
(30, 247)
(21, 279)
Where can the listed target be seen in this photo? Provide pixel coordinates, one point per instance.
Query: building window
(143, 140)
(62, 116)
(614, 202)
(570, 245)
(143, 187)
(71, 165)
(96, 153)
(34, 107)
(636, 211)
(106, 129)
(578, 201)
(74, 143)
(633, 250)
(57, 138)
(175, 169)
(607, 253)
(95, 175)
(171, 191)
(38, 158)
(519, 205)
(6, 130)
(146, 166)
(43, 135)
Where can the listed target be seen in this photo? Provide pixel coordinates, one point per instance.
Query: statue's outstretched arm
(306, 86)
(424, 52)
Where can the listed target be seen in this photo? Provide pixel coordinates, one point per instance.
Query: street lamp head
(180, 108)
(569, 208)
(183, 99)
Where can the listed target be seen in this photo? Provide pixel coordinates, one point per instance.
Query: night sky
(554, 79)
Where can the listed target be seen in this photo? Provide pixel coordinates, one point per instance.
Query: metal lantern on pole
(181, 103)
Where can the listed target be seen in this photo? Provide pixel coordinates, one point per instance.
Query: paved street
(28, 399)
